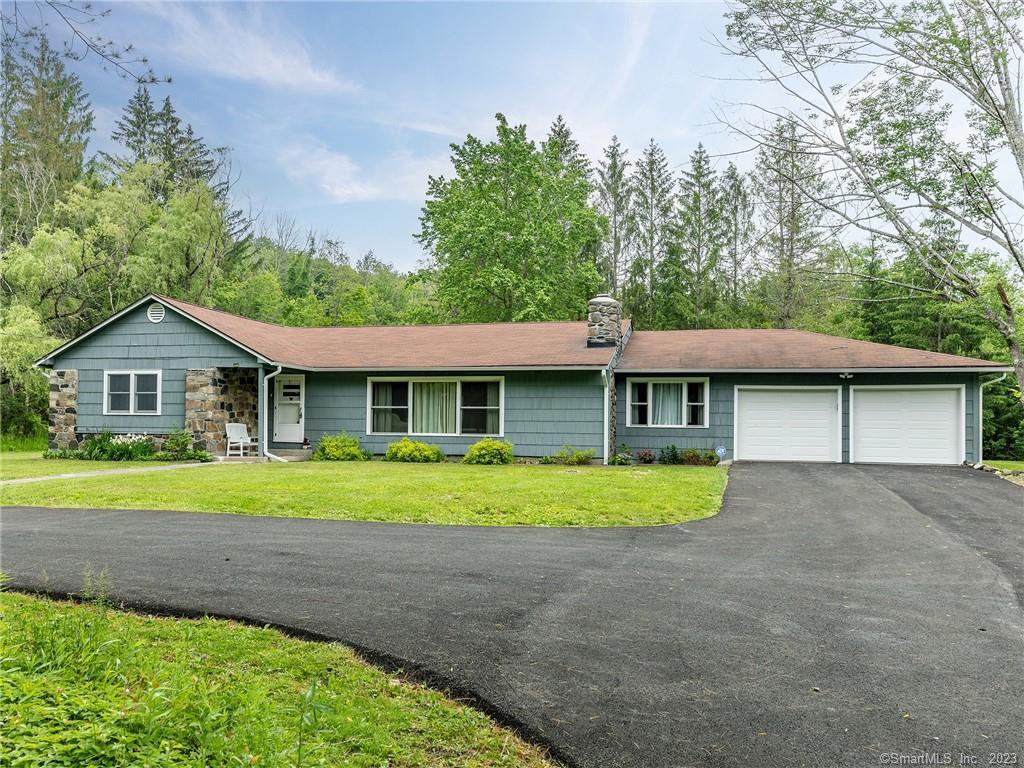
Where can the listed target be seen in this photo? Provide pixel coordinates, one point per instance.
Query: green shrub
(668, 455)
(178, 443)
(710, 459)
(107, 447)
(489, 451)
(621, 457)
(691, 456)
(340, 447)
(645, 456)
(546, 460)
(413, 451)
(570, 456)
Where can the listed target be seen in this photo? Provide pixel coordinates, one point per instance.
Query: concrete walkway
(102, 472)
(830, 615)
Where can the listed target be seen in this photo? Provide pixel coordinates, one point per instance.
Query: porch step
(293, 454)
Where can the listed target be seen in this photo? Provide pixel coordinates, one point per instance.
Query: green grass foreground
(15, 465)
(1006, 464)
(407, 493)
(87, 686)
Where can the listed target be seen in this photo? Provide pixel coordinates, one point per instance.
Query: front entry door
(289, 405)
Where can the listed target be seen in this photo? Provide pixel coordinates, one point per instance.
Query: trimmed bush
(178, 443)
(645, 456)
(340, 447)
(414, 451)
(668, 455)
(489, 451)
(570, 456)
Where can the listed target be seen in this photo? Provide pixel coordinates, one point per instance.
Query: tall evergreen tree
(791, 230)
(652, 190)
(46, 124)
(561, 143)
(613, 202)
(688, 285)
(738, 218)
(137, 128)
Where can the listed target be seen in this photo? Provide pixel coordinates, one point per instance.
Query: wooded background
(860, 214)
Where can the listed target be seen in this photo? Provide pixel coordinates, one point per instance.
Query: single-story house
(758, 394)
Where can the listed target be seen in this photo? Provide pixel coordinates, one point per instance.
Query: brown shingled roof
(491, 345)
(775, 349)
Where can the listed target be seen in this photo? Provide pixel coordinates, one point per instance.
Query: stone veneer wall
(216, 396)
(63, 409)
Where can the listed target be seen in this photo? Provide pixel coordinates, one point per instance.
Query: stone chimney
(604, 322)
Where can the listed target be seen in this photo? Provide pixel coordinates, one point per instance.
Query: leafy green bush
(340, 447)
(690, 456)
(546, 460)
(570, 456)
(178, 443)
(107, 447)
(668, 455)
(413, 451)
(621, 457)
(489, 451)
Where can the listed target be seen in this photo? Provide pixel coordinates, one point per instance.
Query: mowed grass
(18, 464)
(88, 686)
(409, 493)
(1006, 464)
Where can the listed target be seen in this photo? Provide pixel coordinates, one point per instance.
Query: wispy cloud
(401, 176)
(230, 42)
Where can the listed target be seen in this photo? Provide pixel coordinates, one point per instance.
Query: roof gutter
(981, 414)
(266, 418)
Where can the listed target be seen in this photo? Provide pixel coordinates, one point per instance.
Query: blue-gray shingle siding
(543, 410)
(722, 388)
(132, 342)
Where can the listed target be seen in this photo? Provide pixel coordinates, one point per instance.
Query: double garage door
(891, 425)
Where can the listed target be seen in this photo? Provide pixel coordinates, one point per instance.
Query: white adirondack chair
(239, 440)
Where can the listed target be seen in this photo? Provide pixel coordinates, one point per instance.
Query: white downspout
(981, 413)
(607, 436)
(266, 417)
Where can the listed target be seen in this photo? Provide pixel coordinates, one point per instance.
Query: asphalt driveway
(827, 616)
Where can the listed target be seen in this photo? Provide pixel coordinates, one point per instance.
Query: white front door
(906, 425)
(798, 424)
(289, 407)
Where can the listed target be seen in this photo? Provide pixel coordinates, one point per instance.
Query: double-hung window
(668, 402)
(435, 406)
(131, 393)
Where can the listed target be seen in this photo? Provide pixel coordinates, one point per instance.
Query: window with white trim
(435, 406)
(668, 402)
(131, 393)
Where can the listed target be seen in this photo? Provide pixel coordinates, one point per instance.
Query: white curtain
(434, 407)
(668, 404)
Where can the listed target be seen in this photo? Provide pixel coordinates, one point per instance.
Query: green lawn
(18, 464)
(91, 687)
(410, 493)
(1006, 464)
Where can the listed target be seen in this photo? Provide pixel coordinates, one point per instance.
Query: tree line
(518, 230)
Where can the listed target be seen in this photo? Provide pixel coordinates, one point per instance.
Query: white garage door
(787, 424)
(905, 426)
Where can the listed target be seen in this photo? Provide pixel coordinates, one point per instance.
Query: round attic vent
(155, 313)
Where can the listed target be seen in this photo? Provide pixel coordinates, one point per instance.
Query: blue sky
(336, 112)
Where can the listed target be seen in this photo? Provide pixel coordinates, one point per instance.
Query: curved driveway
(828, 614)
